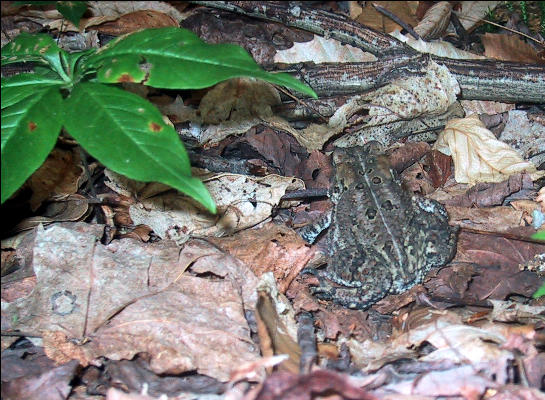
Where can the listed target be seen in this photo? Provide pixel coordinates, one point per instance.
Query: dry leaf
(509, 48)
(435, 21)
(242, 201)
(372, 18)
(478, 156)
(60, 174)
(135, 21)
(485, 107)
(271, 248)
(130, 298)
(473, 11)
(439, 48)
(402, 100)
(238, 99)
(322, 50)
(276, 324)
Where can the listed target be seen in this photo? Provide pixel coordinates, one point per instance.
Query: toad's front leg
(351, 286)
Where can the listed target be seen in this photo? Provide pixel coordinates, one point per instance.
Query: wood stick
(478, 79)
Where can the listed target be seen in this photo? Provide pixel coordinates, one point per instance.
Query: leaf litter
(154, 314)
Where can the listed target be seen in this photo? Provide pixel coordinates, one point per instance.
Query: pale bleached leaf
(322, 50)
(435, 21)
(439, 48)
(478, 156)
(473, 11)
(242, 202)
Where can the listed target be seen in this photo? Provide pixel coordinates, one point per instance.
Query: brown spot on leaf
(32, 126)
(155, 127)
(125, 78)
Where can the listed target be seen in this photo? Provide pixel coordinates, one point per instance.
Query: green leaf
(38, 48)
(29, 131)
(539, 235)
(127, 134)
(18, 87)
(74, 61)
(72, 10)
(539, 292)
(175, 58)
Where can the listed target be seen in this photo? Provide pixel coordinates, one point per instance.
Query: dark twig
(397, 20)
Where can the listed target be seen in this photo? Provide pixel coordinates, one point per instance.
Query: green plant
(120, 129)
(539, 292)
(524, 11)
(71, 10)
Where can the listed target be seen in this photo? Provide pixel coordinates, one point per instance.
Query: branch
(478, 79)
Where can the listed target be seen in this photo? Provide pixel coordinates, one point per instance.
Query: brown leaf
(60, 174)
(137, 20)
(485, 194)
(508, 47)
(238, 99)
(283, 385)
(372, 18)
(274, 337)
(498, 259)
(131, 298)
(435, 21)
(406, 155)
(34, 376)
(273, 247)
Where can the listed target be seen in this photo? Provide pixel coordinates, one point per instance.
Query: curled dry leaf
(276, 324)
(439, 48)
(242, 201)
(478, 156)
(435, 21)
(399, 102)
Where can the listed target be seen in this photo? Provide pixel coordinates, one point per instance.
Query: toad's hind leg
(355, 298)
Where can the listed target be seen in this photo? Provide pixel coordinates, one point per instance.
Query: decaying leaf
(478, 156)
(435, 21)
(322, 50)
(276, 324)
(401, 101)
(270, 248)
(372, 18)
(60, 174)
(242, 202)
(451, 339)
(509, 48)
(129, 298)
(473, 11)
(439, 48)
